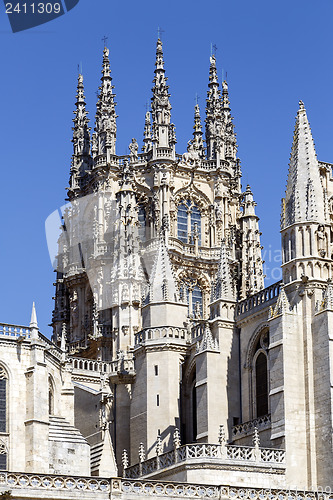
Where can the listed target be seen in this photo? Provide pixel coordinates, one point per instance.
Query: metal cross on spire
(159, 32)
(197, 99)
(105, 39)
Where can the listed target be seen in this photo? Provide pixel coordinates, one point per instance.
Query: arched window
(197, 301)
(188, 222)
(260, 382)
(261, 385)
(3, 400)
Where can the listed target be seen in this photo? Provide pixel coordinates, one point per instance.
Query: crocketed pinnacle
(105, 128)
(197, 129)
(147, 134)
(81, 129)
(224, 288)
(304, 200)
(163, 131)
(228, 126)
(160, 100)
(162, 285)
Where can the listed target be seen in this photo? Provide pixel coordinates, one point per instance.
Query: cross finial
(196, 99)
(105, 39)
(159, 32)
(147, 106)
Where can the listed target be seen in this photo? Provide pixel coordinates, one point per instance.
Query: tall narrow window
(3, 400)
(189, 222)
(197, 301)
(182, 222)
(261, 385)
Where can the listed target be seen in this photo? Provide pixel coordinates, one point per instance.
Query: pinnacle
(303, 176)
(33, 320)
(162, 283)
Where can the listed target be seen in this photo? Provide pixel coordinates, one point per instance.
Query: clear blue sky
(275, 53)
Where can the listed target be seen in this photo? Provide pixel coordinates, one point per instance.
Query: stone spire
(147, 134)
(163, 130)
(224, 287)
(162, 286)
(252, 278)
(304, 200)
(81, 159)
(213, 112)
(104, 137)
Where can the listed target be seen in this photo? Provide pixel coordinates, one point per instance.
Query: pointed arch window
(260, 373)
(261, 385)
(3, 456)
(188, 222)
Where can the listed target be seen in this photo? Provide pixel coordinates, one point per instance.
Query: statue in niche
(321, 240)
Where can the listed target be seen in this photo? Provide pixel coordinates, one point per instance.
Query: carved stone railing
(14, 331)
(124, 364)
(245, 428)
(258, 299)
(90, 365)
(30, 485)
(223, 454)
(161, 332)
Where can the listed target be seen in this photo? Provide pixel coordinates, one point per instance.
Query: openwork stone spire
(224, 288)
(304, 199)
(163, 130)
(81, 138)
(162, 285)
(104, 137)
(213, 112)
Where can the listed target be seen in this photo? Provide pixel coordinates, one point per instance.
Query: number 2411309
(33, 8)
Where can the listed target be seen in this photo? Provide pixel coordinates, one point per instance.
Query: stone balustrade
(258, 299)
(161, 332)
(224, 454)
(14, 331)
(248, 427)
(188, 249)
(123, 364)
(29, 485)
